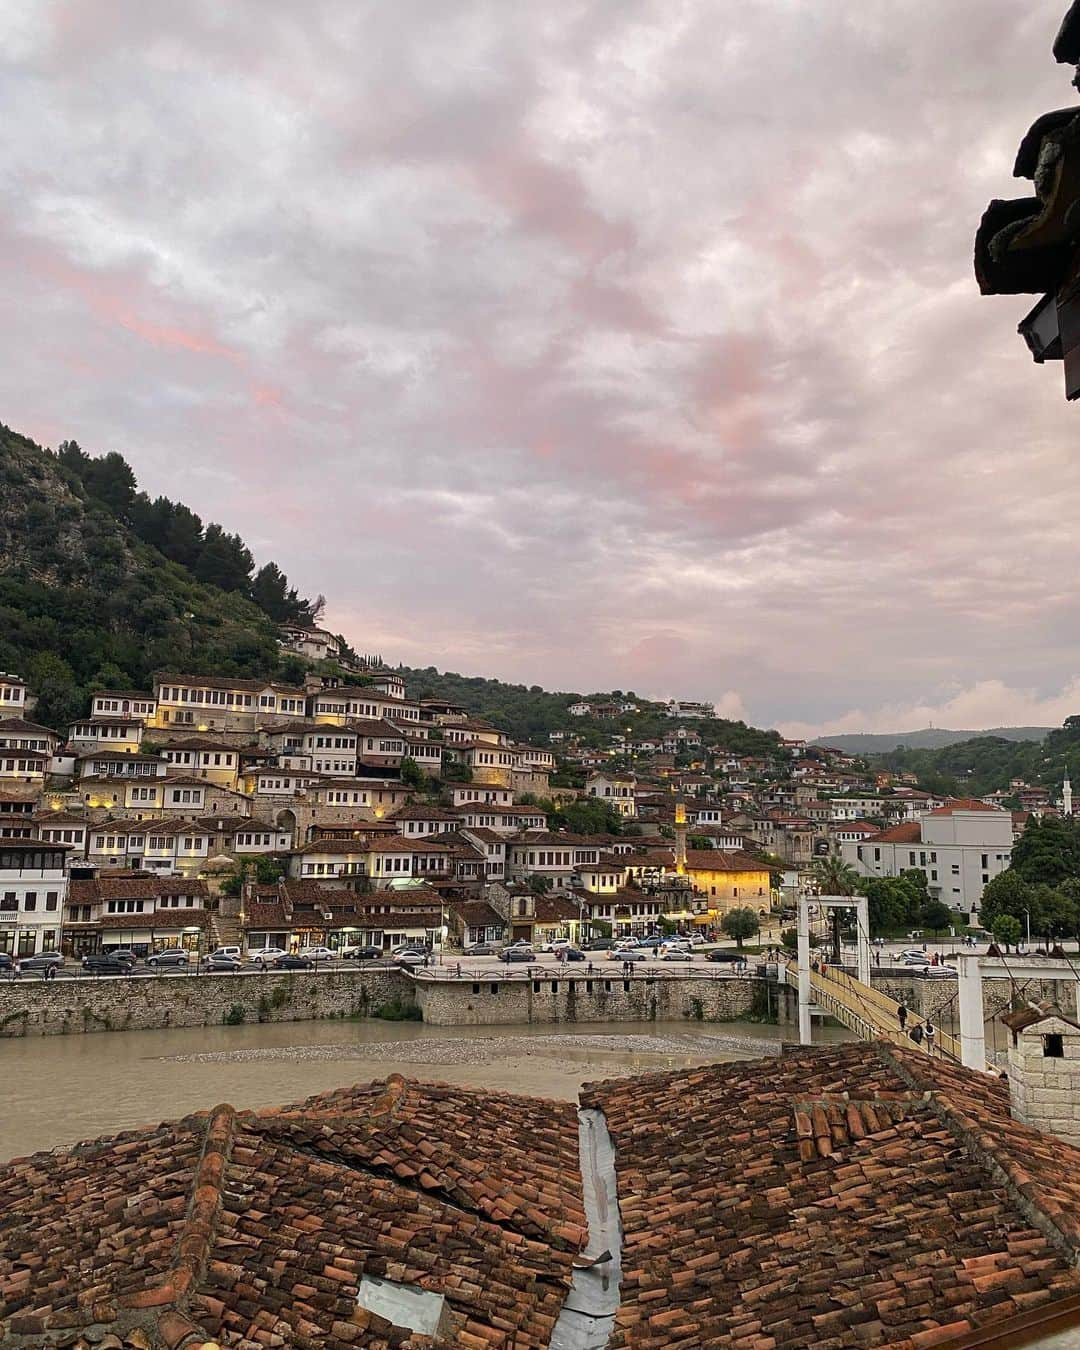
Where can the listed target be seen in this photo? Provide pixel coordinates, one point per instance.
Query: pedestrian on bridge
(901, 1016)
(929, 1032)
(916, 1034)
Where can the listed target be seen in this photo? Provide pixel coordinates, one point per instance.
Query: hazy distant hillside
(931, 738)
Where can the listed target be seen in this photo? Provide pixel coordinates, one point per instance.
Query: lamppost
(1027, 918)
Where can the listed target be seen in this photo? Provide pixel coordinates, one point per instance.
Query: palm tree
(833, 876)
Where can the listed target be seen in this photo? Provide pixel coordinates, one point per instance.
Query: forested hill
(529, 713)
(987, 763)
(87, 602)
(101, 585)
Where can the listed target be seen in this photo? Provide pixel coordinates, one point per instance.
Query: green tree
(109, 478)
(936, 916)
(1007, 893)
(225, 560)
(833, 876)
(1006, 929)
(1047, 851)
(538, 883)
(270, 591)
(740, 924)
(411, 773)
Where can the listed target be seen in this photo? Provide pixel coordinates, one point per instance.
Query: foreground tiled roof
(254, 1228)
(860, 1195)
(856, 1195)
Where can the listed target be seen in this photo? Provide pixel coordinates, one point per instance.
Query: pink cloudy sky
(622, 343)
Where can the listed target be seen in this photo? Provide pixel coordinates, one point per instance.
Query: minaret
(680, 837)
(1066, 795)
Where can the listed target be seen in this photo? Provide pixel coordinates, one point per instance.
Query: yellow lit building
(729, 879)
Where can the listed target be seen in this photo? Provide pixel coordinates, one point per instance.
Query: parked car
(675, 954)
(225, 951)
(677, 944)
(102, 963)
(41, 961)
(123, 954)
(361, 953)
(171, 956)
(223, 963)
(573, 954)
(525, 954)
(412, 958)
(265, 956)
(482, 949)
(698, 939)
(725, 954)
(911, 951)
(599, 944)
(408, 947)
(7, 961)
(555, 944)
(653, 940)
(287, 962)
(319, 953)
(628, 954)
(522, 942)
(916, 960)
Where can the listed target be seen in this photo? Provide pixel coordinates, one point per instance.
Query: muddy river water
(60, 1089)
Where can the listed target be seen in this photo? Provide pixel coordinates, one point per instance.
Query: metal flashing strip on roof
(588, 1315)
(403, 1305)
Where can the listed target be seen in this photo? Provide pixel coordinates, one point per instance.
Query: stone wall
(1044, 1090)
(578, 998)
(64, 1007)
(937, 999)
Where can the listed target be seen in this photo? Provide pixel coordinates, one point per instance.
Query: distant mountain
(930, 738)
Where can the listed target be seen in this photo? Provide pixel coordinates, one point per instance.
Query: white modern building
(961, 847)
(33, 886)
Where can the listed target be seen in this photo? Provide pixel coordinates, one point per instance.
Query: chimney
(1044, 1070)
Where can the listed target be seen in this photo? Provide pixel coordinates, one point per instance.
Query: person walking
(916, 1034)
(901, 1016)
(929, 1032)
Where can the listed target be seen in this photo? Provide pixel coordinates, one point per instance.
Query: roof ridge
(193, 1245)
(1043, 1212)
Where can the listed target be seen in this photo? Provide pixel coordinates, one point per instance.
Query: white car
(266, 956)
(676, 945)
(317, 953)
(411, 958)
(916, 952)
(225, 953)
(556, 945)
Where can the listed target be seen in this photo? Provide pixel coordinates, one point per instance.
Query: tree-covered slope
(85, 603)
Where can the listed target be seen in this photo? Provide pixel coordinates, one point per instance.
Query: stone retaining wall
(65, 1007)
(578, 998)
(937, 998)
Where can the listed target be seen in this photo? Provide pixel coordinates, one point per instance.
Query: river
(61, 1089)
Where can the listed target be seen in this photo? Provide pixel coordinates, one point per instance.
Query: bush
(235, 1016)
(397, 1011)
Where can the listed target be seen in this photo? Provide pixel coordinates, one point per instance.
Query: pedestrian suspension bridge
(851, 999)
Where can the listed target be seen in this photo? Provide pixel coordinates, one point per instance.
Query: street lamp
(1027, 917)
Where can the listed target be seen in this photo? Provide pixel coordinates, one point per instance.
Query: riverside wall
(578, 998)
(937, 999)
(69, 1007)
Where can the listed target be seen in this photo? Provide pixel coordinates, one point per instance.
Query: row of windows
(88, 730)
(10, 901)
(199, 757)
(104, 705)
(23, 743)
(62, 836)
(155, 843)
(22, 766)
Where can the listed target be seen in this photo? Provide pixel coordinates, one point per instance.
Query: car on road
(265, 956)
(653, 940)
(123, 954)
(361, 953)
(287, 962)
(171, 956)
(628, 954)
(7, 961)
(412, 958)
(555, 944)
(223, 963)
(525, 954)
(103, 963)
(482, 949)
(916, 961)
(573, 954)
(318, 953)
(675, 954)
(225, 951)
(41, 961)
(679, 944)
(725, 954)
(599, 944)
(912, 951)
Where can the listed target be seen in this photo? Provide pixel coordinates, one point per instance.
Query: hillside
(987, 763)
(529, 713)
(101, 585)
(85, 603)
(930, 738)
